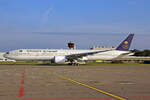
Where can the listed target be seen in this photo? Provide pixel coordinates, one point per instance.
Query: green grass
(20, 63)
(87, 64)
(32, 63)
(114, 64)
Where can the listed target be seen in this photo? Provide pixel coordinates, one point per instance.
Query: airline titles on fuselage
(40, 50)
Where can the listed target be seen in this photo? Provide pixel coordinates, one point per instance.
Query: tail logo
(126, 42)
(125, 46)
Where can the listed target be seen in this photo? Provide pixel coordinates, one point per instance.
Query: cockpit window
(20, 50)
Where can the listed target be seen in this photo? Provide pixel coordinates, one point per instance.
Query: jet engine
(59, 59)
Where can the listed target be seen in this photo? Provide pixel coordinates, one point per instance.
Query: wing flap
(80, 55)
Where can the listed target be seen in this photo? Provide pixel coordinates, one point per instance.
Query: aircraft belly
(28, 58)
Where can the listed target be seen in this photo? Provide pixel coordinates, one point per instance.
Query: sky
(53, 23)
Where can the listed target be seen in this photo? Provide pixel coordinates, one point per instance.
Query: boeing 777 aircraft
(68, 55)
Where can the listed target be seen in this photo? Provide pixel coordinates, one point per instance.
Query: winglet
(125, 45)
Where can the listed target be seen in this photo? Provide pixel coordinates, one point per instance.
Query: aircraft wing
(80, 55)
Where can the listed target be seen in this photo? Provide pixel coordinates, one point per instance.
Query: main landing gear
(74, 63)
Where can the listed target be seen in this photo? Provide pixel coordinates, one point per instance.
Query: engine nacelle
(59, 59)
(84, 58)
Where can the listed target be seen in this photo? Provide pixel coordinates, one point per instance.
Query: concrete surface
(28, 82)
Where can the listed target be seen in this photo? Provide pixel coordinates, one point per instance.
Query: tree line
(145, 53)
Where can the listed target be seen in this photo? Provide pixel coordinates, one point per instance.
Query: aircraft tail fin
(125, 45)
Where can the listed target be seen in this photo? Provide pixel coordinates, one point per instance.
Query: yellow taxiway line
(74, 81)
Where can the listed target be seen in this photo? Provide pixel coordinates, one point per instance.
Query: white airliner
(69, 55)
